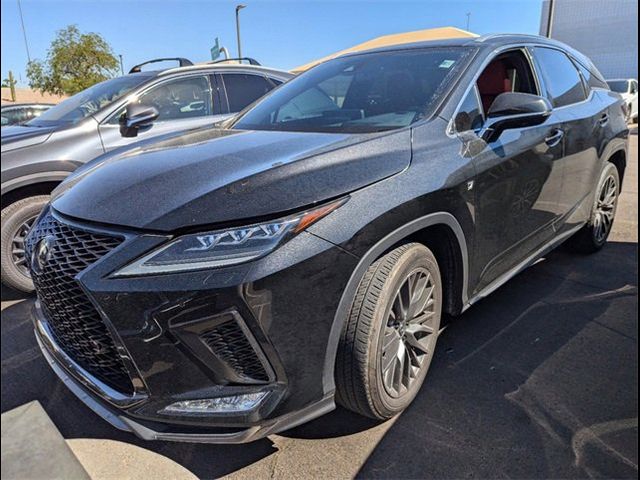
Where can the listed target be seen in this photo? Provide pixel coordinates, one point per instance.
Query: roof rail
(252, 61)
(183, 62)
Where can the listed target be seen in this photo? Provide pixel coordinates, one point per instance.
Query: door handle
(554, 139)
(604, 119)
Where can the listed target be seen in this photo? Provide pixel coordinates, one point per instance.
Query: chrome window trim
(450, 131)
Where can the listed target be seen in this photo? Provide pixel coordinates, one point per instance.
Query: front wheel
(594, 234)
(390, 335)
(17, 219)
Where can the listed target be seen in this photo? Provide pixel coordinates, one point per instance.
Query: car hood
(212, 176)
(18, 136)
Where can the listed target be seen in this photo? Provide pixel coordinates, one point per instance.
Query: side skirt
(497, 283)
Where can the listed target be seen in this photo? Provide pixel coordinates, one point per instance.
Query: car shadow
(479, 413)
(9, 294)
(519, 379)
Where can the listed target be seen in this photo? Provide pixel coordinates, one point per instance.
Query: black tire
(588, 239)
(359, 365)
(14, 217)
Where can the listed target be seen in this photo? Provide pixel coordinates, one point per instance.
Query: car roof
(219, 68)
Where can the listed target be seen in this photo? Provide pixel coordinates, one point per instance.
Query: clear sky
(280, 34)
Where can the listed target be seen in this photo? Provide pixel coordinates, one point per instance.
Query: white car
(628, 88)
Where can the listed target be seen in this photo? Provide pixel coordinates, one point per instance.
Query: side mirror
(135, 117)
(514, 110)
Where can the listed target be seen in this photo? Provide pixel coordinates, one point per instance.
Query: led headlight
(223, 248)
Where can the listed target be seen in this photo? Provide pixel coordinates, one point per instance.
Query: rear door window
(562, 81)
(243, 89)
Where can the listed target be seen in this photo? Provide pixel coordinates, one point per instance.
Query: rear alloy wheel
(390, 336)
(593, 236)
(17, 220)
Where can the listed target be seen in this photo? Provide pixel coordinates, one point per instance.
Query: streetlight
(238, 8)
(24, 32)
(121, 65)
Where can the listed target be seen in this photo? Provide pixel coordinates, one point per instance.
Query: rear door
(183, 102)
(585, 121)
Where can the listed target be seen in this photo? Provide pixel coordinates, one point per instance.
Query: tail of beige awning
(394, 39)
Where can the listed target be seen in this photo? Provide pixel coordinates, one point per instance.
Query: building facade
(604, 30)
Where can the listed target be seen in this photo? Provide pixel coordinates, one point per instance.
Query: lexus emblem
(42, 253)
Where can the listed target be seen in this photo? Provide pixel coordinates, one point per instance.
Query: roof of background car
(228, 66)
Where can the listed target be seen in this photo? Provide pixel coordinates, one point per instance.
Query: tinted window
(620, 86)
(634, 87)
(243, 89)
(590, 78)
(469, 116)
(561, 78)
(360, 93)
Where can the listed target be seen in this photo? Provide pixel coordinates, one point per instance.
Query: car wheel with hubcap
(388, 341)
(594, 234)
(17, 219)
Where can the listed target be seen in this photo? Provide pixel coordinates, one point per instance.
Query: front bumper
(122, 422)
(286, 304)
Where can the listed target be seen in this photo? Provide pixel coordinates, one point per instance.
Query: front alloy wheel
(390, 336)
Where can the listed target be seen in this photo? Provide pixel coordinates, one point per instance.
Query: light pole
(24, 32)
(468, 18)
(121, 65)
(238, 8)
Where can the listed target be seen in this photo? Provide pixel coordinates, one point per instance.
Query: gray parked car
(19, 113)
(37, 156)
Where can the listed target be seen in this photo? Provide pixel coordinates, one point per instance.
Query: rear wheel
(389, 338)
(594, 234)
(17, 219)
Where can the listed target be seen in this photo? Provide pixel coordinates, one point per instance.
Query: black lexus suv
(220, 285)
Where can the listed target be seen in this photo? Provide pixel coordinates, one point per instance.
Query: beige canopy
(394, 39)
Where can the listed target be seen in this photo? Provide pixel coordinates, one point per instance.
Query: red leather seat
(492, 82)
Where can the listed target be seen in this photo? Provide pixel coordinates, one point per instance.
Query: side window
(508, 72)
(562, 82)
(590, 78)
(469, 116)
(243, 89)
(177, 99)
(633, 89)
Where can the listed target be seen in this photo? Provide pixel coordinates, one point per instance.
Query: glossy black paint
(486, 208)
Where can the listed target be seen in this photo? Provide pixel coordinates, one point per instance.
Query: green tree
(75, 61)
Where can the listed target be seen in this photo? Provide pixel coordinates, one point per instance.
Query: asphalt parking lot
(538, 380)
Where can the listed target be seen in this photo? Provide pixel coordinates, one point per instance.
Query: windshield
(620, 86)
(360, 94)
(88, 101)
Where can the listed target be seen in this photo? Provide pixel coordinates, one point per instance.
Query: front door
(518, 176)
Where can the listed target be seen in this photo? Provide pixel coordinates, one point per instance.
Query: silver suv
(141, 105)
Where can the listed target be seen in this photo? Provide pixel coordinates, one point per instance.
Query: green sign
(215, 50)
